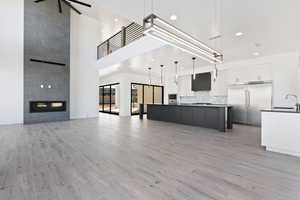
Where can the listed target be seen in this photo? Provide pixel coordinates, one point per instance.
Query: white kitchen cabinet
(279, 132)
(237, 75)
(250, 73)
(261, 73)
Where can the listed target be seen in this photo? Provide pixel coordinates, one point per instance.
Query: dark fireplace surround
(47, 106)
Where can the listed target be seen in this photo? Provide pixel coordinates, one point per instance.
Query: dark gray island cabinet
(208, 116)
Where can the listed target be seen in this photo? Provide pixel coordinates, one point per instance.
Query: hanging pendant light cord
(216, 22)
(144, 9)
(152, 6)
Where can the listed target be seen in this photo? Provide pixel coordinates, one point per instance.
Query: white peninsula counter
(281, 131)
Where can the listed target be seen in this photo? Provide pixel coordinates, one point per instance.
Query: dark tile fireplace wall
(46, 38)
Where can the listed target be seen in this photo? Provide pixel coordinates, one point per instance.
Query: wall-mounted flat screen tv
(202, 82)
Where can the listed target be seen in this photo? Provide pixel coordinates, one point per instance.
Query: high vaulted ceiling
(269, 26)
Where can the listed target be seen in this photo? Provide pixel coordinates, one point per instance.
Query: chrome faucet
(297, 102)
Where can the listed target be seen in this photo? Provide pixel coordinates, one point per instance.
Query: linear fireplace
(47, 106)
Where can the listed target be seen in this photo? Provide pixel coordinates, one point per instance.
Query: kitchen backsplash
(203, 97)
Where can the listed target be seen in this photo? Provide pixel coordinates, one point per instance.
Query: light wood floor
(114, 158)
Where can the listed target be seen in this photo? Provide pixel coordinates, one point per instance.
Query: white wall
(84, 92)
(11, 61)
(282, 69)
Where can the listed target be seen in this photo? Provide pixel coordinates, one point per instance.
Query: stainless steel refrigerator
(248, 100)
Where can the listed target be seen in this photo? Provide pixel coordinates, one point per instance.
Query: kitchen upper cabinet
(251, 73)
(261, 74)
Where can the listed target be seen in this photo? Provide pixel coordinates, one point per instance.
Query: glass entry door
(148, 96)
(145, 94)
(109, 98)
(101, 99)
(158, 95)
(115, 99)
(137, 92)
(106, 100)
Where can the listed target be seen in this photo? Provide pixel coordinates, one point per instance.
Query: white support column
(125, 97)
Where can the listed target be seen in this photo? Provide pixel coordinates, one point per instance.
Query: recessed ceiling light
(256, 54)
(238, 34)
(257, 44)
(152, 60)
(173, 17)
(116, 19)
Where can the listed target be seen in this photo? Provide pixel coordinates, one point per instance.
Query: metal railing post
(123, 36)
(107, 47)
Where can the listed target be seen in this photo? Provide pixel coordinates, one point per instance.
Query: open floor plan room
(149, 100)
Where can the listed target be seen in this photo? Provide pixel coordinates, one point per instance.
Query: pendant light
(161, 74)
(176, 72)
(149, 73)
(216, 28)
(194, 74)
(215, 73)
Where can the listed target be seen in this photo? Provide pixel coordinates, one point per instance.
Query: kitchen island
(215, 116)
(280, 131)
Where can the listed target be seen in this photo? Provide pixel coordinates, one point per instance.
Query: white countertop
(281, 110)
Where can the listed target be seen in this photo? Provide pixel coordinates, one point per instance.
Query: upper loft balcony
(122, 38)
(125, 44)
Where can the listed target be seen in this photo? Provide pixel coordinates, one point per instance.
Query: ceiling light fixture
(176, 72)
(150, 79)
(194, 74)
(161, 74)
(173, 17)
(238, 34)
(169, 34)
(116, 19)
(215, 73)
(69, 4)
(256, 54)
